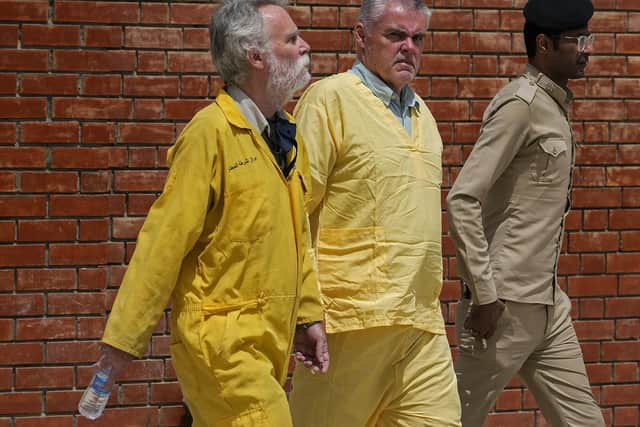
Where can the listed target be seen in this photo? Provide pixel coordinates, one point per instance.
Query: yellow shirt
(229, 240)
(375, 207)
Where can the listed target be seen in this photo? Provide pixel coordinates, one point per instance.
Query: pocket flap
(553, 146)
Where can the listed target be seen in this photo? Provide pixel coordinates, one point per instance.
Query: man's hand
(310, 347)
(483, 319)
(112, 357)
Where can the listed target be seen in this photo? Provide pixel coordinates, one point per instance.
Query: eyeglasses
(584, 42)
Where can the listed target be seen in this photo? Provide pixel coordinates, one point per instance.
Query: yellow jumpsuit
(228, 240)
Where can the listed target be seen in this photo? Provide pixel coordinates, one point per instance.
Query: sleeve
(321, 146)
(172, 227)
(502, 135)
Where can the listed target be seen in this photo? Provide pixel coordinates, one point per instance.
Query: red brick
(63, 401)
(153, 37)
(95, 182)
(480, 87)
(593, 242)
(24, 10)
(21, 255)
(623, 263)
(6, 333)
(7, 231)
(628, 43)
(107, 36)
(154, 13)
(485, 42)
(21, 305)
(98, 61)
(127, 228)
(72, 352)
(24, 60)
(625, 132)
(627, 328)
(151, 62)
(321, 17)
(45, 329)
(166, 393)
(622, 307)
(104, 11)
(451, 19)
(596, 198)
(134, 394)
(94, 229)
(599, 373)
(50, 132)
(44, 377)
(185, 13)
(90, 327)
(592, 286)
(76, 303)
(49, 421)
(21, 354)
(158, 86)
(6, 379)
(48, 182)
(46, 279)
(20, 403)
(99, 133)
(91, 108)
(85, 254)
(626, 372)
(102, 85)
(87, 205)
(8, 182)
(146, 181)
(22, 206)
(445, 42)
(631, 197)
(22, 108)
(594, 330)
(148, 109)
(595, 154)
(626, 416)
(189, 62)
(8, 83)
(49, 84)
(196, 38)
(621, 351)
(7, 135)
(620, 394)
(88, 158)
(139, 204)
(624, 218)
(183, 109)
(50, 35)
(46, 230)
(93, 278)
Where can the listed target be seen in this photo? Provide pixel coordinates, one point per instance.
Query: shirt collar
(562, 95)
(250, 110)
(382, 90)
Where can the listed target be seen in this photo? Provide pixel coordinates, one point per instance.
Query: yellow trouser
(387, 376)
(231, 388)
(539, 343)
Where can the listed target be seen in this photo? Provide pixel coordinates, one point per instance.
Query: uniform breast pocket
(550, 161)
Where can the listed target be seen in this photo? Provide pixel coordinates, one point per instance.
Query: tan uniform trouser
(538, 343)
(387, 376)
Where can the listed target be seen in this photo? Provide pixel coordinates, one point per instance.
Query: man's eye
(418, 38)
(396, 37)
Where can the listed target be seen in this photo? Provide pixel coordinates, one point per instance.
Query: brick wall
(92, 93)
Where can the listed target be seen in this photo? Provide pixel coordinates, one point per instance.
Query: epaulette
(527, 90)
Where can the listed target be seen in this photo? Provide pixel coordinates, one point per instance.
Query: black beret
(558, 15)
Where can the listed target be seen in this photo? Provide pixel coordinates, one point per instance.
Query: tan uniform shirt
(507, 206)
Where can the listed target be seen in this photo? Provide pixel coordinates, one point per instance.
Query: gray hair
(235, 28)
(372, 10)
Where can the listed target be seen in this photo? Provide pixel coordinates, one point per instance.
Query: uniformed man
(506, 215)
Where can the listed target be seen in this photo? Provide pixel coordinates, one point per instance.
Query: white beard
(286, 77)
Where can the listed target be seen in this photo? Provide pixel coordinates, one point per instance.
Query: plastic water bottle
(95, 397)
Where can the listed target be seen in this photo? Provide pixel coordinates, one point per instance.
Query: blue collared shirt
(400, 106)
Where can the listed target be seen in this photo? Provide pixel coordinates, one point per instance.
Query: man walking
(228, 239)
(375, 155)
(506, 216)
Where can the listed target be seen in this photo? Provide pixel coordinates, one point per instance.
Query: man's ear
(543, 44)
(256, 59)
(359, 35)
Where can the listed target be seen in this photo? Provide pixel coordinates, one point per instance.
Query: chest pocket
(550, 161)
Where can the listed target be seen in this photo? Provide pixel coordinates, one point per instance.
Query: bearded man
(228, 238)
